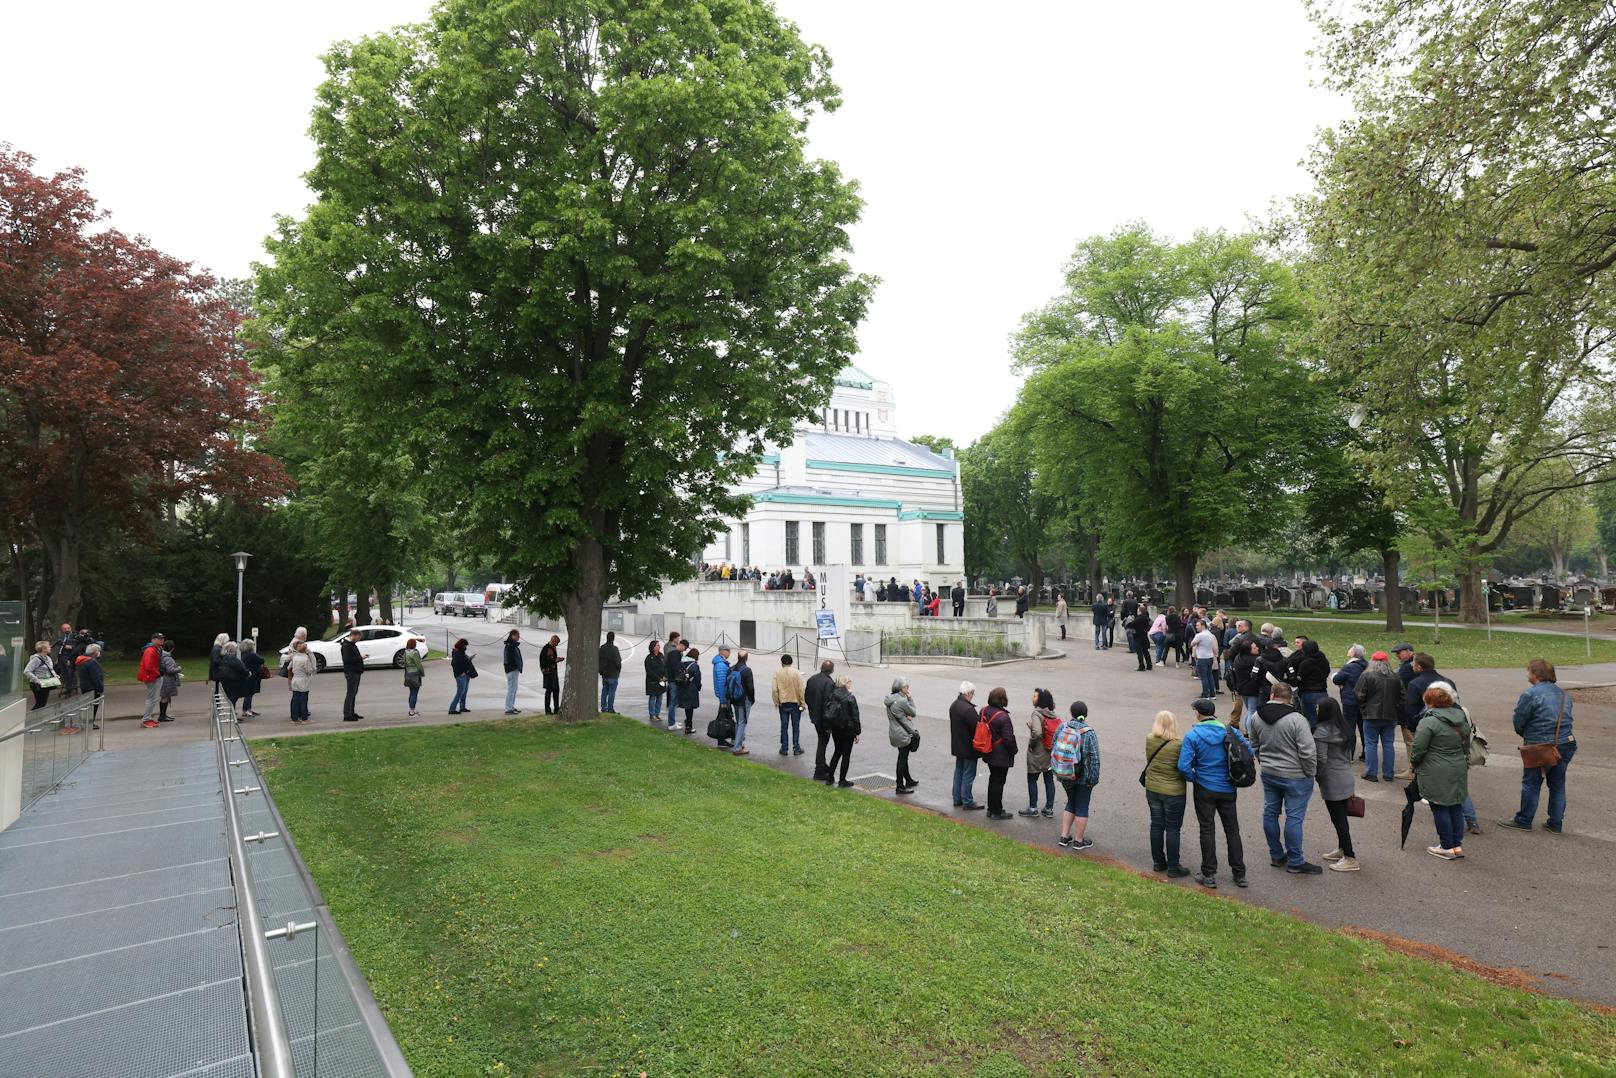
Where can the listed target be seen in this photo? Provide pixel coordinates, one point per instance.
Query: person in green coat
(1164, 788)
(1440, 757)
(414, 672)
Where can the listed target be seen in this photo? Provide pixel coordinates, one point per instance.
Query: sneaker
(165, 718)
(1514, 825)
(1438, 851)
(741, 752)
(797, 751)
(1177, 872)
(1553, 830)
(913, 783)
(150, 724)
(1208, 882)
(1064, 841)
(1048, 814)
(1028, 812)
(1333, 855)
(1083, 844)
(784, 752)
(902, 790)
(1162, 867)
(1371, 778)
(1277, 862)
(1306, 868)
(1000, 816)
(844, 784)
(454, 711)
(1473, 827)
(1345, 864)
(1240, 881)
(512, 711)
(973, 807)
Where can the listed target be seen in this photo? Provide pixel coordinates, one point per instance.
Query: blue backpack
(734, 687)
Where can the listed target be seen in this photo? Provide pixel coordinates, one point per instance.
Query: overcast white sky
(988, 140)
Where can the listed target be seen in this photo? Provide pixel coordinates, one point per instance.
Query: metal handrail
(270, 1039)
(53, 714)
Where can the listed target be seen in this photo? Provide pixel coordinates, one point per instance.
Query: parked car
(381, 645)
(469, 604)
(441, 602)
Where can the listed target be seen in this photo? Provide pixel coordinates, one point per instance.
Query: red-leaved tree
(122, 387)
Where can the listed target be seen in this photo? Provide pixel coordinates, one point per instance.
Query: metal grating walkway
(119, 952)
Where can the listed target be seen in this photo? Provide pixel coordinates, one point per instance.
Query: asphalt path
(1528, 902)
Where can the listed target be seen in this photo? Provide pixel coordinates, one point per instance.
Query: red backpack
(1052, 726)
(982, 742)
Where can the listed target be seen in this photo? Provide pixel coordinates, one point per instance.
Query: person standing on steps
(353, 667)
(611, 671)
(673, 658)
(1002, 756)
(513, 669)
(1203, 760)
(1165, 794)
(787, 693)
(962, 719)
(1336, 738)
(901, 731)
(842, 717)
(1288, 758)
(460, 666)
(655, 681)
(550, 661)
(1042, 722)
(816, 693)
(1543, 717)
(300, 671)
(689, 679)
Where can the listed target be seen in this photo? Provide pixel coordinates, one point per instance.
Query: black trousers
(1343, 835)
(353, 677)
(1211, 806)
(819, 751)
(690, 719)
(843, 755)
(552, 694)
(904, 777)
(996, 777)
(959, 610)
(1141, 649)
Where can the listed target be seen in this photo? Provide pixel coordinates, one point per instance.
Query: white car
(381, 645)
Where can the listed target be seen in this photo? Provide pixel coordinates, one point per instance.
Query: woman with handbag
(1165, 792)
(1543, 721)
(1336, 738)
(1042, 723)
(300, 671)
(901, 731)
(461, 668)
(1441, 761)
(414, 673)
(41, 674)
(1002, 755)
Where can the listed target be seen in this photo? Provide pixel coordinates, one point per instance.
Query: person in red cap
(1379, 694)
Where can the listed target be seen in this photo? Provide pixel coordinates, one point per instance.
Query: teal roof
(854, 378)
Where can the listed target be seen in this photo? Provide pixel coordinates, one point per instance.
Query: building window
(855, 533)
(942, 538)
(746, 543)
(880, 544)
(791, 542)
(819, 542)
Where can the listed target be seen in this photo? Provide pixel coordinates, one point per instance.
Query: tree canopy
(573, 254)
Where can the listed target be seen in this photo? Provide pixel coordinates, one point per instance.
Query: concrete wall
(12, 718)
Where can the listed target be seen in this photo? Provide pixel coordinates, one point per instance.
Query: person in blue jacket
(1203, 761)
(1543, 717)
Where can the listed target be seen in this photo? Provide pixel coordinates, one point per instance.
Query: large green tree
(1461, 254)
(1161, 391)
(572, 254)
(1007, 515)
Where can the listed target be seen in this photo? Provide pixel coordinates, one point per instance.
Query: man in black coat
(1021, 602)
(550, 661)
(65, 655)
(958, 595)
(512, 662)
(611, 669)
(815, 693)
(353, 666)
(962, 718)
(673, 657)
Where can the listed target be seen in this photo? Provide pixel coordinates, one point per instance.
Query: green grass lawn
(1459, 649)
(534, 899)
(122, 671)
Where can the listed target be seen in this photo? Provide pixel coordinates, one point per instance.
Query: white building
(848, 490)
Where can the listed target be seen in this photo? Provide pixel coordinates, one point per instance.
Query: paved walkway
(119, 953)
(1527, 901)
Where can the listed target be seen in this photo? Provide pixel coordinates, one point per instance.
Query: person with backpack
(462, 669)
(1076, 760)
(842, 720)
(1441, 761)
(721, 691)
(1165, 794)
(816, 693)
(962, 721)
(787, 693)
(1000, 751)
(689, 679)
(1287, 757)
(1218, 761)
(901, 730)
(1042, 723)
(1542, 717)
(742, 692)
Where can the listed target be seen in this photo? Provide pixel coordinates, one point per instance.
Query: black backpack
(1242, 766)
(835, 710)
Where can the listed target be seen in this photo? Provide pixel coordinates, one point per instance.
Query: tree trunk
(1558, 556)
(67, 591)
(1091, 548)
(362, 607)
(1604, 564)
(1391, 561)
(1471, 599)
(342, 606)
(1184, 573)
(384, 597)
(580, 692)
(450, 583)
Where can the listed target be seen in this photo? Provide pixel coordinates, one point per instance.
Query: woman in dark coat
(844, 731)
(655, 681)
(1175, 636)
(1140, 631)
(1003, 755)
(232, 674)
(690, 688)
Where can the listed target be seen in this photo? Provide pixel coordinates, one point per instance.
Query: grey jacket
(1038, 757)
(171, 676)
(302, 679)
(1282, 742)
(900, 714)
(1336, 777)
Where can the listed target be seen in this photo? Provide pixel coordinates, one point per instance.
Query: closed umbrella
(1412, 792)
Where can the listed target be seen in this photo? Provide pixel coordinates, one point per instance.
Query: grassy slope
(602, 899)
(1460, 648)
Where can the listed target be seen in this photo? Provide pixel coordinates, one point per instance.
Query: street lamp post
(241, 557)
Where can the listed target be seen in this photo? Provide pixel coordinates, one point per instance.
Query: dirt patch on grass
(1508, 978)
(463, 836)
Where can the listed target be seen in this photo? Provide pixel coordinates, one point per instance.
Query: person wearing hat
(150, 674)
(353, 667)
(1379, 696)
(1204, 761)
